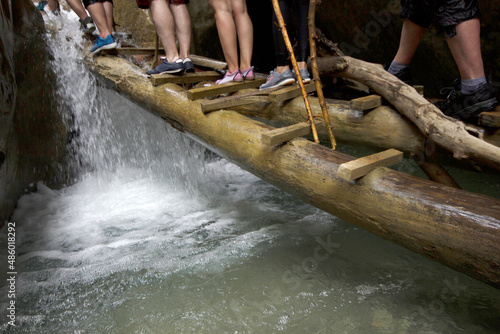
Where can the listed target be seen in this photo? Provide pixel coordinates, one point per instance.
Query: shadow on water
(156, 235)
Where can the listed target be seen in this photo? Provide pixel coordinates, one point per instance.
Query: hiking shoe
(404, 75)
(248, 74)
(230, 77)
(41, 5)
(304, 73)
(467, 107)
(276, 79)
(169, 68)
(188, 65)
(103, 44)
(87, 25)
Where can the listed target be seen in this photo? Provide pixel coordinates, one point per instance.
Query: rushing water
(157, 235)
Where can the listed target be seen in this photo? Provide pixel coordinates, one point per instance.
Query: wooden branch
(445, 131)
(281, 22)
(315, 72)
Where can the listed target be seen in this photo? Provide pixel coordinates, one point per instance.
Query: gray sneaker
(304, 73)
(276, 79)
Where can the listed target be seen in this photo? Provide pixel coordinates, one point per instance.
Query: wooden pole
(315, 71)
(282, 27)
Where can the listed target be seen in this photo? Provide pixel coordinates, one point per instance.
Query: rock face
(32, 134)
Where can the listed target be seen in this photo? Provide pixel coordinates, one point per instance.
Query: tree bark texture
(457, 228)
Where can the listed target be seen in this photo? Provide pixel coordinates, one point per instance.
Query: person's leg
(244, 29)
(465, 47)
(77, 7)
(108, 10)
(182, 27)
(98, 14)
(281, 51)
(411, 34)
(302, 33)
(227, 32)
(53, 5)
(164, 25)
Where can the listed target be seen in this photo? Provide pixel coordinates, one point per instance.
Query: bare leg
(108, 9)
(53, 4)
(98, 14)
(164, 25)
(411, 35)
(227, 32)
(182, 28)
(244, 28)
(77, 7)
(465, 47)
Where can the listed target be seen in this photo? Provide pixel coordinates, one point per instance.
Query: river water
(158, 235)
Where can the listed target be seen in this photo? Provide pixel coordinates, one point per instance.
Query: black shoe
(166, 67)
(404, 75)
(188, 65)
(467, 107)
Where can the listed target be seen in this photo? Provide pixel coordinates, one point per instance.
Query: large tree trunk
(455, 227)
(446, 132)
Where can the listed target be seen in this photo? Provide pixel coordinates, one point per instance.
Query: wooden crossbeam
(129, 51)
(290, 92)
(281, 135)
(231, 101)
(366, 102)
(208, 62)
(160, 79)
(490, 118)
(360, 167)
(230, 87)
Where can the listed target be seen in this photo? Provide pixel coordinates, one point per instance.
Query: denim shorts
(445, 13)
(87, 3)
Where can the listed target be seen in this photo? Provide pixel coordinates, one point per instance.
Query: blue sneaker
(166, 67)
(103, 44)
(41, 5)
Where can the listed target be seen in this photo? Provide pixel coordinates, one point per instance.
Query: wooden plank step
(490, 118)
(230, 101)
(281, 135)
(366, 102)
(230, 87)
(290, 92)
(360, 167)
(160, 79)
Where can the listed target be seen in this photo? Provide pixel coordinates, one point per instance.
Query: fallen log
(457, 228)
(446, 132)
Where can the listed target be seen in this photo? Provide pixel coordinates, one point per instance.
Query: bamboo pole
(315, 71)
(282, 27)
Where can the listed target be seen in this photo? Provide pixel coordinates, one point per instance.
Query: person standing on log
(282, 75)
(235, 26)
(171, 18)
(86, 22)
(471, 94)
(101, 12)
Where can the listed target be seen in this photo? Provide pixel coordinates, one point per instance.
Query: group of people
(101, 15)
(469, 95)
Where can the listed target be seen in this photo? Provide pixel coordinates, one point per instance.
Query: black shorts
(87, 3)
(445, 13)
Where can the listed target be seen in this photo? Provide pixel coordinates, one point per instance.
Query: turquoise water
(158, 235)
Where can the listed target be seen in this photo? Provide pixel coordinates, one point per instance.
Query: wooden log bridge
(457, 228)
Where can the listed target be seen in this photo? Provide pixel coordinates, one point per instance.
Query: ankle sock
(469, 86)
(396, 68)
